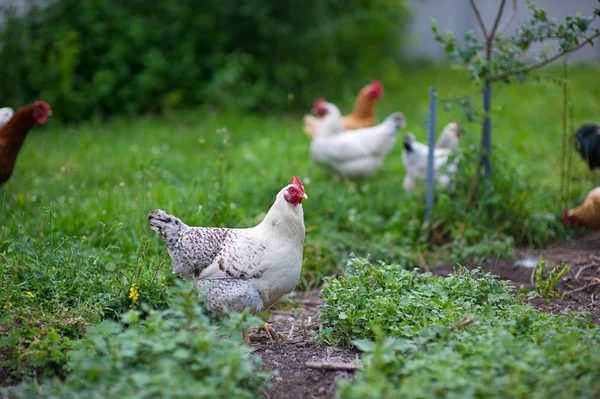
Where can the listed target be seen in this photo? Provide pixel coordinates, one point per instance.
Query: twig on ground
(593, 284)
(308, 302)
(422, 261)
(332, 366)
(585, 268)
(465, 321)
(291, 332)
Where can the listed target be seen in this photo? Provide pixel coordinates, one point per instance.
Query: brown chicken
(586, 214)
(12, 135)
(363, 114)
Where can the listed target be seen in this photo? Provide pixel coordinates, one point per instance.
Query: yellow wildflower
(31, 294)
(134, 294)
(8, 305)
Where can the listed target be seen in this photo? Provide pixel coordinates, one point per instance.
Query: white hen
(241, 268)
(414, 158)
(449, 137)
(354, 154)
(5, 114)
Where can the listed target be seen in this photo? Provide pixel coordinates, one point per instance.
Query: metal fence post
(431, 141)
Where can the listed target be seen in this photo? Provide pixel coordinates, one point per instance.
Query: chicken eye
(292, 191)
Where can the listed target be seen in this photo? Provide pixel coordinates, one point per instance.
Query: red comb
(319, 103)
(296, 182)
(43, 105)
(377, 86)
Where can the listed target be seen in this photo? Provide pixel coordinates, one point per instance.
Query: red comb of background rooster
(377, 87)
(319, 103)
(43, 105)
(296, 182)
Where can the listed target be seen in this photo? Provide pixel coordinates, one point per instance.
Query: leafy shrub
(169, 353)
(403, 302)
(546, 285)
(511, 205)
(53, 288)
(464, 336)
(113, 57)
(559, 360)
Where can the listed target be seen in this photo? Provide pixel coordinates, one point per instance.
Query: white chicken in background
(331, 122)
(357, 153)
(449, 137)
(241, 268)
(5, 114)
(414, 158)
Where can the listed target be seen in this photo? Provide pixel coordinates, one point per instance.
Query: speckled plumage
(241, 268)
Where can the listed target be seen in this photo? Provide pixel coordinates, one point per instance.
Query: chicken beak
(304, 196)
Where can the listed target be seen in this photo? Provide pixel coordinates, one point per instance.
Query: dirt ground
(298, 355)
(296, 327)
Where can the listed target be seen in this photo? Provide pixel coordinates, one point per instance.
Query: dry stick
(563, 159)
(496, 22)
(595, 283)
(508, 20)
(422, 261)
(332, 366)
(585, 268)
(570, 153)
(478, 15)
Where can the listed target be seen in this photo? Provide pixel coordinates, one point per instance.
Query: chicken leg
(245, 336)
(271, 333)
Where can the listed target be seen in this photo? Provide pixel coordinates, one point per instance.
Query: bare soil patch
(296, 327)
(579, 289)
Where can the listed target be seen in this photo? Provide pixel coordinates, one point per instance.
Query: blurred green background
(107, 57)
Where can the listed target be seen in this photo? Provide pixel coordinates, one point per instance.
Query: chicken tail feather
(165, 224)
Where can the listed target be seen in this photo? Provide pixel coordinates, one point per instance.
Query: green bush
(558, 360)
(512, 205)
(464, 336)
(53, 288)
(402, 302)
(111, 57)
(175, 353)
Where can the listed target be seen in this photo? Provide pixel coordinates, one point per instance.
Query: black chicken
(588, 144)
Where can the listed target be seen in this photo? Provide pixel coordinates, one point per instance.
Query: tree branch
(543, 63)
(507, 21)
(497, 21)
(478, 15)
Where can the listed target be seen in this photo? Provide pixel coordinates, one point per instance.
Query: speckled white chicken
(414, 158)
(352, 154)
(5, 114)
(241, 268)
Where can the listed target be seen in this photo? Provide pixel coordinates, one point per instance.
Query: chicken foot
(271, 333)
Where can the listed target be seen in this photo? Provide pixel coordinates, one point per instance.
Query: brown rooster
(12, 135)
(363, 115)
(586, 214)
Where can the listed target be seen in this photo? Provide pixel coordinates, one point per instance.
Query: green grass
(73, 216)
(463, 336)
